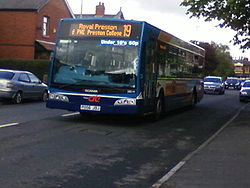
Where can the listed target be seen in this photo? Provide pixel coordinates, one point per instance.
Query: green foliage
(210, 56)
(225, 67)
(217, 59)
(38, 67)
(234, 14)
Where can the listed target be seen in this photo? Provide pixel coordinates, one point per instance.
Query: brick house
(100, 13)
(242, 67)
(28, 27)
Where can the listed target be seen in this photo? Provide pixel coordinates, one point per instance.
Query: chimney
(100, 9)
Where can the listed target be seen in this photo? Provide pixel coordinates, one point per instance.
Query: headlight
(127, 101)
(59, 97)
(243, 93)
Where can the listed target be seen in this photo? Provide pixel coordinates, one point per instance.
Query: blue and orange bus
(122, 67)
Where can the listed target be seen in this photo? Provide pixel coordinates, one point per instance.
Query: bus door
(150, 76)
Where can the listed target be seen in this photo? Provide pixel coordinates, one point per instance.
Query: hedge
(38, 67)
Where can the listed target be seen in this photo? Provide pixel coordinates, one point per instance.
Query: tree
(210, 57)
(234, 14)
(218, 60)
(225, 67)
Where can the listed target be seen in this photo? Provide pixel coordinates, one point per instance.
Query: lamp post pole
(81, 8)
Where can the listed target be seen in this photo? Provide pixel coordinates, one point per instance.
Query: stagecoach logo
(93, 98)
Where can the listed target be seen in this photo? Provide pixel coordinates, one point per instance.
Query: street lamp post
(81, 8)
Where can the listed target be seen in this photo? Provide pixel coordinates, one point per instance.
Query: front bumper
(6, 94)
(232, 86)
(245, 97)
(212, 90)
(106, 109)
(101, 104)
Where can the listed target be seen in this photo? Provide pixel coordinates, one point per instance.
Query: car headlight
(243, 93)
(59, 97)
(127, 101)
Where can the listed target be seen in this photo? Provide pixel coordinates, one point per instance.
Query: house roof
(22, 4)
(27, 5)
(247, 63)
(243, 62)
(100, 13)
(31, 5)
(47, 45)
(119, 15)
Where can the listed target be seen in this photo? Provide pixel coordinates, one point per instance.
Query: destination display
(81, 29)
(101, 29)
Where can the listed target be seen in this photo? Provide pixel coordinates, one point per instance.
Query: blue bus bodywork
(158, 54)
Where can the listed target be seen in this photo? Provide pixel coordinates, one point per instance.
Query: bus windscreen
(96, 54)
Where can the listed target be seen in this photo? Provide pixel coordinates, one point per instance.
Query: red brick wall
(17, 33)
(19, 30)
(100, 9)
(55, 10)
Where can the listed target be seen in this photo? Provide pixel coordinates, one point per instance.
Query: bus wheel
(158, 111)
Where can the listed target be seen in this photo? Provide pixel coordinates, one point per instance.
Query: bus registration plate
(90, 108)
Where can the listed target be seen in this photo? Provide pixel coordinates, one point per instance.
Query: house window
(45, 26)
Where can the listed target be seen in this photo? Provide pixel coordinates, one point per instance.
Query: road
(41, 148)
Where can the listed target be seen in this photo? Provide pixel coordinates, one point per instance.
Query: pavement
(221, 162)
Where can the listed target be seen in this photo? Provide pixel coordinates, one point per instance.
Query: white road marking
(167, 176)
(8, 125)
(71, 114)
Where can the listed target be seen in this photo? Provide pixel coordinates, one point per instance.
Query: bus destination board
(101, 29)
(112, 30)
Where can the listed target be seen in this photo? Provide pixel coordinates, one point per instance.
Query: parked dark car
(214, 84)
(245, 91)
(18, 85)
(232, 83)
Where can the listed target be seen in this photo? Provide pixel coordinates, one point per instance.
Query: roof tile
(22, 4)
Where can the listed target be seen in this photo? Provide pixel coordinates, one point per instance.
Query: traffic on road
(216, 85)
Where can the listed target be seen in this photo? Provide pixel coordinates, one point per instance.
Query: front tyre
(158, 111)
(222, 91)
(18, 98)
(45, 96)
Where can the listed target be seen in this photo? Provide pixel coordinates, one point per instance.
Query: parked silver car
(214, 84)
(245, 91)
(18, 85)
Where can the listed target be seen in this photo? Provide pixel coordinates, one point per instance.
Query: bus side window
(162, 60)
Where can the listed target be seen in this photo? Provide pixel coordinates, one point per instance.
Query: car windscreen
(217, 80)
(246, 84)
(6, 75)
(232, 81)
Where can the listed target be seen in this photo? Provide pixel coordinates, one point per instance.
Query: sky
(168, 16)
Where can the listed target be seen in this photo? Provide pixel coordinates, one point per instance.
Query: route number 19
(127, 30)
